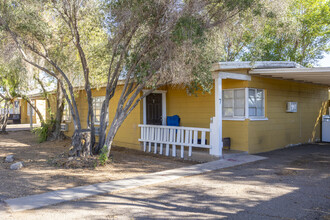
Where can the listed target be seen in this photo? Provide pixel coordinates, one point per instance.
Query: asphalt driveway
(293, 183)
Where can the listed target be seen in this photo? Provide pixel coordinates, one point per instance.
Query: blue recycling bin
(173, 120)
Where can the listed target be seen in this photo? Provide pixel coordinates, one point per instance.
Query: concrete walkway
(20, 127)
(55, 197)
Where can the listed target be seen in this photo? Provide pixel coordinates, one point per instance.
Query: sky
(325, 62)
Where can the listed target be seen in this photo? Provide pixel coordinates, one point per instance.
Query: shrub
(103, 158)
(43, 132)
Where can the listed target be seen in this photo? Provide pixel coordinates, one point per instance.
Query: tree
(302, 35)
(143, 44)
(9, 84)
(12, 75)
(283, 30)
(4, 114)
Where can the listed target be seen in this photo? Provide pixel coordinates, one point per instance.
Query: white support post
(182, 141)
(216, 148)
(143, 136)
(31, 117)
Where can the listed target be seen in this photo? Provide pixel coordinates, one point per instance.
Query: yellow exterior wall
(282, 128)
(197, 111)
(194, 111)
(24, 116)
(236, 130)
(128, 134)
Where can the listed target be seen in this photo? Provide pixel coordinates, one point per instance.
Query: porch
(185, 141)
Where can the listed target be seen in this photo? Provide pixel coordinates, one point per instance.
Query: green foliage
(282, 30)
(188, 28)
(146, 43)
(43, 132)
(103, 157)
(11, 76)
(301, 35)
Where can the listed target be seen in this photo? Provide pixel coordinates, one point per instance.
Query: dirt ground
(292, 184)
(38, 175)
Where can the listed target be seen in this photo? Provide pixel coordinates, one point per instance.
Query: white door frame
(163, 92)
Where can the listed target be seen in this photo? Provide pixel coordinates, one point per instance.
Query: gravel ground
(293, 183)
(38, 176)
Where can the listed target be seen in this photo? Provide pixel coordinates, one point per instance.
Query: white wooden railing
(166, 136)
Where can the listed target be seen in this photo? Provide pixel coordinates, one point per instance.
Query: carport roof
(317, 75)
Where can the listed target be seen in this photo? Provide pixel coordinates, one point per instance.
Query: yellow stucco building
(260, 107)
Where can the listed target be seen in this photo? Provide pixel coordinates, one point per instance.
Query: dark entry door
(154, 109)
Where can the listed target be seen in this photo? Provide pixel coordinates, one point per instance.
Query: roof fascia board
(237, 76)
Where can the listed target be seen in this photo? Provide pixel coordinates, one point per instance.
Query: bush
(43, 132)
(103, 158)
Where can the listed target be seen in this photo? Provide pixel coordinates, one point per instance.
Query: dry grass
(40, 175)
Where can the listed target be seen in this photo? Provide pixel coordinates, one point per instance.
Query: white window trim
(233, 119)
(163, 92)
(255, 118)
(70, 116)
(259, 119)
(236, 118)
(246, 113)
(97, 123)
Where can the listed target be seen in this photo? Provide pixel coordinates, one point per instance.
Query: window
(233, 103)
(16, 108)
(256, 103)
(29, 108)
(66, 113)
(97, 106)
(243, 103)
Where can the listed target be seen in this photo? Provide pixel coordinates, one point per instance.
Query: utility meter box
(64, 127)
(291, 107)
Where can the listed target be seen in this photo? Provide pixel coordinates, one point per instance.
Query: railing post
(182, 141)
(169, 136)
(162, 139)
(143, 137)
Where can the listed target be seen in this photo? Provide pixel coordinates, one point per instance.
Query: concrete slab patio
(55, 197)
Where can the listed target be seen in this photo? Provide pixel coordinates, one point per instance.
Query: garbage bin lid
(326, 117)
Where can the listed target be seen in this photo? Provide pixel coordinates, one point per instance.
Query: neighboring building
(14, 111)
(27, 110)
(261, 107)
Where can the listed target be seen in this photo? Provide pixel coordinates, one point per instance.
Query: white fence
(160, 137)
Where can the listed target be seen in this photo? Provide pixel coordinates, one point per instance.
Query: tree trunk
(27, 99)
(90, 116)
(45, 94)
(104, 121)
(4, 121)
(56, 133)
(109, 139)
(81, 142)
(115, 125)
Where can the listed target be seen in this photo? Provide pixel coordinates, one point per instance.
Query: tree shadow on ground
(292, 184)
(39, 176)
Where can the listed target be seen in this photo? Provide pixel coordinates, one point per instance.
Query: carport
(317, 75)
